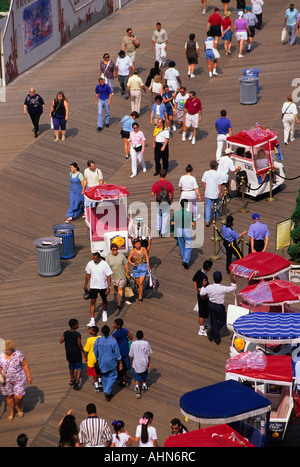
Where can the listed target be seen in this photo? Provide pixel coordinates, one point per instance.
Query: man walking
(259, 235)
(94, 431)
(191, 116)
(160, 44)
(123, 70)
(183, 223)
(119, 265)
(216, 297)
(224, 129)
(161, 136)
(164, 192)
(107, 353)
(103, 94)
(98, 273)
(134, 86)
(180, 99)
(92, 177)
(200, 280)
(129, 44)
(212, 186)
(290, 22)
(140, 352)
(252, 22)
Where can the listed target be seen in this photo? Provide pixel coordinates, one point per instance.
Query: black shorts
(216, 31)
(94, 294)
(203, 307)
(252, 31)
(124, 134)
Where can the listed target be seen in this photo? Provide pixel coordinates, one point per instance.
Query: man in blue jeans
(183, 223)
(103, 94)
(212, 186)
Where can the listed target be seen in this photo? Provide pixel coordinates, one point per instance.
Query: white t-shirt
(140, 351)
(289, 108)
(92, 177)
(226, 165)
(171, 76)
(181, 100)
(124, 65)
(152, 435)
(212, 180)
(99, 273)
(188, 184)
(121, 442)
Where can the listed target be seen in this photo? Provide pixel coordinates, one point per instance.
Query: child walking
(72, 340)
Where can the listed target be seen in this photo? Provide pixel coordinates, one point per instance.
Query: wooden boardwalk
(34, 175)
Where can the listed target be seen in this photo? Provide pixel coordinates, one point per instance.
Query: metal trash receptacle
(66, 233)
(252, 72)
(48, 256)
(248, 94)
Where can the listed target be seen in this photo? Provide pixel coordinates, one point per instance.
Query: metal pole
(270, 198)
(243, 185)
(225, 202)
(215, 236)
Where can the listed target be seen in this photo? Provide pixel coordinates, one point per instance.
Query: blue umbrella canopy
(269, 328)
(225, 402)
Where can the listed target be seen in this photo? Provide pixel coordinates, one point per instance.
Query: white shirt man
(159, 44)
(212, 190)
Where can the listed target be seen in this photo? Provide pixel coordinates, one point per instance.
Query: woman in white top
(156, 87)
(257, 10)
(121, 438)
(172, 78)
(189, 190)
(146, 434)
(136, 148)
(289, 116)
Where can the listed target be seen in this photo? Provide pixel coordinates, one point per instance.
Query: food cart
(232, 403)
(107, 217)
(257, 152)
(270, 376)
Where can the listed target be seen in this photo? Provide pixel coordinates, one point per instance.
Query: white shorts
(179, 114)
(191, 120)
(241, 35)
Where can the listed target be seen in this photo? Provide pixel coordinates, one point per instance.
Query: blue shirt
(162, 110)
(103, 91)
(127, 123)
(223, 125)
(229, 234)
(122, 339)
(107, 353)
(258, 231)
(291, 17)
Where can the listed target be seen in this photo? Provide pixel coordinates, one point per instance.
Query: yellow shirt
(89, 348)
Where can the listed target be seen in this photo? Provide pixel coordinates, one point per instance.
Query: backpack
(163, 195)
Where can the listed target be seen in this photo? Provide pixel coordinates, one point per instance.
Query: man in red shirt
(214, 25)
(164, 192)
(191, 116)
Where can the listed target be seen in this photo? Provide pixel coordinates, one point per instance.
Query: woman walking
(34, 105)
(289, 114)
(139, 259)
(209, 46)
(75, 193)
(14, 371)
(59, 113)
(189, 190)
(107, 70)
(192, 54)
(136, 148)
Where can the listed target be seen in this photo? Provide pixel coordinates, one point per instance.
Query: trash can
(66, 233)
(248, 94)
(48, 256)
(252, 72)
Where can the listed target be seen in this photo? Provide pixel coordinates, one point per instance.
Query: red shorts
(91, 371)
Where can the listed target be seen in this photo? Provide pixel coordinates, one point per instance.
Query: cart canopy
(106, 192)
(269, 328)
(260, 265)
(273, 292)
(214, 436)
(257, 136)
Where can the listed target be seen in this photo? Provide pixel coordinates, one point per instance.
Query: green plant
(294, 250)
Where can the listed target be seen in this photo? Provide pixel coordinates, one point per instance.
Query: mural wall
(36, 28)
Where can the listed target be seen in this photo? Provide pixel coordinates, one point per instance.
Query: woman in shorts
(139, 259)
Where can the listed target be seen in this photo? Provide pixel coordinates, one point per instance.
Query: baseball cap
(255, 216)
(217, 275)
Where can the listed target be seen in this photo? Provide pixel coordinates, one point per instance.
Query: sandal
(140, 300)
(20, 413)
(10, 418)
(71, 383)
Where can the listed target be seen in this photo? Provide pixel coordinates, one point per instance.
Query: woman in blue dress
(76, 193)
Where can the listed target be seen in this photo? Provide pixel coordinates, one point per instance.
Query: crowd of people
(110, 354)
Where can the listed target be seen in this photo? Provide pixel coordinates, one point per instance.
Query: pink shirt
(240, 24)
(136, 138)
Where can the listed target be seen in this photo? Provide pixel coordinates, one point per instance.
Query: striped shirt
(94, 431)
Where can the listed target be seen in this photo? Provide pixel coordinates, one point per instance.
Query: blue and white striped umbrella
(269, 328)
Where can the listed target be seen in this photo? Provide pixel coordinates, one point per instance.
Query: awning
(214, 436)
(269, 328)
(277, 369)
(261, 265)
(273, 292)
(106, 192)
(254, 137)
(224, 402)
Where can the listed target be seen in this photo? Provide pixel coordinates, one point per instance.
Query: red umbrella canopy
(271, 292)
(105, 191)
(259, 264)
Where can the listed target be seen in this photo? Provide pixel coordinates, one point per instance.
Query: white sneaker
(183, 137)
(192, 76)
(189, 73)
(215, 73)
(204, 11)
(104, 316)
(191, 137)
(292, 139)
(210, 74)
(91, 323)
(133, 175)
(194, 140)
(174, 127)
(144, 169)
(241, 56)
(202, 332)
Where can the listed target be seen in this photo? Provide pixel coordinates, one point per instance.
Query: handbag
(216, 53)
(283, 35)
(153, 281)
(2, 379)
(138, 148)
(128, 291)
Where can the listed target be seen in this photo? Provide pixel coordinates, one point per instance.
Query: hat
(248, 7)
(227, 13)
(229, 151)
(217, 275)
(255, 216)
(241, 14)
